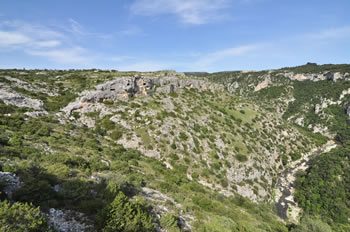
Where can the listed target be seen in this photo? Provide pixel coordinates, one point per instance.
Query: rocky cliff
(123, 88)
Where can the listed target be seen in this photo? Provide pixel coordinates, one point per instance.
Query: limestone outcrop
(262, 85)
(10, 183)
(68, 220)
(30, 87)
(11, 97)
(126, 87)
(317, 76)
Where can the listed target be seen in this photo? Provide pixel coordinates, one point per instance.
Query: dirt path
(287, 208)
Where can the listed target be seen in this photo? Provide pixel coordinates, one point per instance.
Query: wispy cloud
(42, 41)
(193, 12)
(132, 31)
(78, 29)
(210, 59)
(330, 33)
(74, 55)
(30, 29)
(23, 35)
(10, 38)
(48, 43)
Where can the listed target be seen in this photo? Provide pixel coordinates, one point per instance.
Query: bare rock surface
(161, 202)
(31, 87)
(10, 97)
(317, 76)
(125, 87)
(69, 221)
(287, 207)
(262, 85)
(10, 183)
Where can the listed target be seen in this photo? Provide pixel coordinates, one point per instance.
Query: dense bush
(170, 223)
(241, 158)
(324, 189)
(19, 217)
(126, 216)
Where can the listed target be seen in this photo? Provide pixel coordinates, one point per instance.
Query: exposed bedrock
(125, 87)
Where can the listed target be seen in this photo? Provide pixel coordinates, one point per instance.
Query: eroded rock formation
(126, 87)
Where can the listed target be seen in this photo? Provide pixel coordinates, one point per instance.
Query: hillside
(125, 151)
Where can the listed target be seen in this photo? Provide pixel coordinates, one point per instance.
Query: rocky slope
(210, 131)
(287, 207)
(189, 145)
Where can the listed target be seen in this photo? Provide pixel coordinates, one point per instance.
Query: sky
(182, 35)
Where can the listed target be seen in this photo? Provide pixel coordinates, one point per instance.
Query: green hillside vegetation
(323, 189)
(200, 150)
(77, 155)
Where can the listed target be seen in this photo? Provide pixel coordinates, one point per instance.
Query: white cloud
(76, 27)
(13, 38)
(30, 29)
(42, 41)
(330, 33)
(48, 43)
(213, 57)
(17, 39)
(189, 11)
(22, 35)
(66, 56)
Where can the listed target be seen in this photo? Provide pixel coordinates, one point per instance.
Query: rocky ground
(229, 137)
(287, 207)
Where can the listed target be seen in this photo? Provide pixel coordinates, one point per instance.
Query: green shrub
(312, 224)
(169, 222)
(183, 136)
(126, 216)
(324, 188)
(295, 156)
(241, 158)
(116, 134)
(107, 124)
(20, 217)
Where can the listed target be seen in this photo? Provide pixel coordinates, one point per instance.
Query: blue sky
(185, 35)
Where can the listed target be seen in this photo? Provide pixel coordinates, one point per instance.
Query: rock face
(287, 207)
(10, 182)
(30, 87)
(161, 200)
(263, 84)
(232, 87)
(126, 87)
(68, 221)
(317, 76)
(10, 97)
